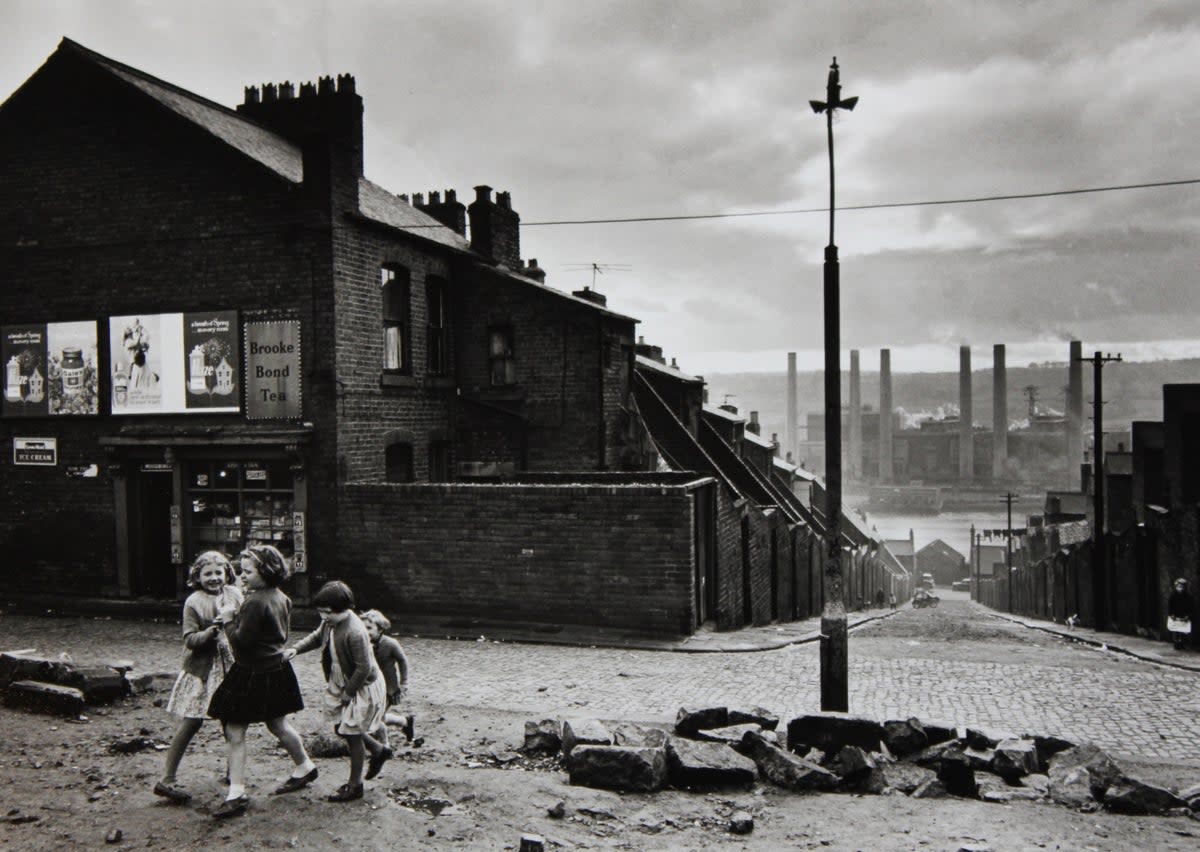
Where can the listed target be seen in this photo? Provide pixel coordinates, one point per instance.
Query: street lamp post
(834, 652)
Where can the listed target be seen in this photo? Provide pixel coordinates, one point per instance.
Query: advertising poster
(172, 363)
(273, 369)
(49, 369)
(211, 344)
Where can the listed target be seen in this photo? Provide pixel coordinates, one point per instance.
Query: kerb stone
(624, 768)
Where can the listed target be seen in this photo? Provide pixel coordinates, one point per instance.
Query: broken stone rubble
(826, 752)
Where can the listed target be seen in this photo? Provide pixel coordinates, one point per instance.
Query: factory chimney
(1075, 407)
(999, 412)
(966, 438)
(854, 448)
(789, 427)
(885, 416)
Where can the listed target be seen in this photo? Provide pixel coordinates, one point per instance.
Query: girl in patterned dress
(206, 658)
(355, 697)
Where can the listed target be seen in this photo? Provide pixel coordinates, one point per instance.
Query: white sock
(304, 768)
(236, 790)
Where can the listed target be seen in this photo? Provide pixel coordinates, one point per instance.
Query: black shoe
(294, 783)
(168, 790)
(232, 807)
(408, 727)
(346, 793)
(375, 765)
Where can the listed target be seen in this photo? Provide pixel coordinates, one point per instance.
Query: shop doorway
(152, 573)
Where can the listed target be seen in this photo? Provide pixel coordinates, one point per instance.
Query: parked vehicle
(924, 598)
(961, 585)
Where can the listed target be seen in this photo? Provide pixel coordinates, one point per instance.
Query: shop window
(439, 461)
(500, 355)
(397, 325)
(234, 504)
(436, 342)
(398, 462)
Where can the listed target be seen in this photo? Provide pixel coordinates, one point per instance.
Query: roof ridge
(101, 59)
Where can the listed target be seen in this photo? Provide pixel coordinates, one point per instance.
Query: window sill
(397, 380)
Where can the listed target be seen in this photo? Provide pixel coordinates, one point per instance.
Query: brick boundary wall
(614, 556)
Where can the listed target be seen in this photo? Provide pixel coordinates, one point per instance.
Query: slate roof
(379, 205)
(937, 547)
(759, 439)
(723, 414)
(673, 372)
(672, 439)
(270, 149)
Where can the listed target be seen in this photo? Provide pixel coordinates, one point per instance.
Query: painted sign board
(184, 363)
(40, 452)
(273, 370)
(49, 369)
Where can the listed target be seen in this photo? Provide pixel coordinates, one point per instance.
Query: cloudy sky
(598, 110)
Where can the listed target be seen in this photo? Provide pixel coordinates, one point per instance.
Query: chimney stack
(450, 212)
(326, 121)
(1075, 406)
(593, 296)
(753, 425)
(854, 445)
(886, 475)
(966, 437)
(535, 272)
(999, 412)
(495, 228)
(789, 425)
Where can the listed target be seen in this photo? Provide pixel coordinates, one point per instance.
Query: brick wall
(542, 553)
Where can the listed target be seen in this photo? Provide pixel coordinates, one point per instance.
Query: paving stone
(784, 769)
(696, 765)
(1015, 758)
(45, 698)
(1131, 796)
(731, 734)
(1103, 771)
(850, 763)
(1191, 795)
(1037, 782)
(980, 759)
(760, 716)
(984, 738)
(623, 768)
(907, 777)
(690, 720)
(632, 734)
(741, 823)
(931, 789)
(99, 684)
(956, 774)
(1047, 747)
(577, 732)
(542, 737)
(1072, 787)
(905, 736)
(830, 731)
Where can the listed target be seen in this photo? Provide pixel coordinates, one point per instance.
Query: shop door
(152, 573)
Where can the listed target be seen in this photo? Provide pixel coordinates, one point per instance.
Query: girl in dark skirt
(261, 685)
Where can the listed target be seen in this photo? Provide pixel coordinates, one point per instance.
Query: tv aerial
(598, 268)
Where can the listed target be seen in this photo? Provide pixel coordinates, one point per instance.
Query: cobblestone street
(954, 664)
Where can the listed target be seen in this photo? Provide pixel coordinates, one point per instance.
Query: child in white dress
(206, 658)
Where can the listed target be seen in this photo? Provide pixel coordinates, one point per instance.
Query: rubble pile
(60, 686)
(716, 748)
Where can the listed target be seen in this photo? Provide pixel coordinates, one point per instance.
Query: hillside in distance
(1132, 391)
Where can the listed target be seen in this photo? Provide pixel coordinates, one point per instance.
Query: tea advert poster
(49, 369)
(210, 345)
(273, 370)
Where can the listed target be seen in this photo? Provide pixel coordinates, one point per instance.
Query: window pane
(501, 342)
(228, 475)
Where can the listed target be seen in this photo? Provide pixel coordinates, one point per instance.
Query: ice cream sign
(175, 363)
(49, 369)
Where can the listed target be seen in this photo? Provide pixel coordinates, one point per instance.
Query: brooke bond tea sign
(175, 363)
(49, 369)
(273, 369)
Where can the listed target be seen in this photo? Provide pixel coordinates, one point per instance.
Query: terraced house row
(217, 331)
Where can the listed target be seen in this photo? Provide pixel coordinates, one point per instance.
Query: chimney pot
(673, 364)
(251, 95)
(483, 193)
(451, 196)
(325, 86)
(308, 89)
(435, 197)
(345, 84)
(418, 199)
(270, 93)
(403, 197)
(504, 200)
(286, 91)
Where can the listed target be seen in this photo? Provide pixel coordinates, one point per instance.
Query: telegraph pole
(835, 687)
(1007, 499)
(1099, 554)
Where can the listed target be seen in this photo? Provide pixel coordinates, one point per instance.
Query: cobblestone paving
(1015, 680)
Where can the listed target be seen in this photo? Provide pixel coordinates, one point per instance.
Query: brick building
(217, 331)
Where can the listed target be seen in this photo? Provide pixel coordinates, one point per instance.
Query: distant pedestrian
(207, 657)
(892, 600)
(1179, 614)
(355, 695)
(390, 657)
(261, 685)
(879, 598)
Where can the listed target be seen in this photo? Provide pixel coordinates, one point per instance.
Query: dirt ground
(465, 787)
